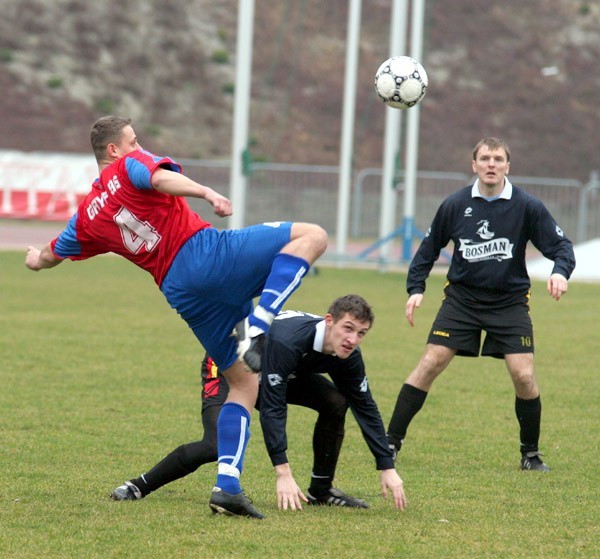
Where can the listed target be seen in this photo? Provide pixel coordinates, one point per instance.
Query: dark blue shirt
(291, 350)
(490, 239)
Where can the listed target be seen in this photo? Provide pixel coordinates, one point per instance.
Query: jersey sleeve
(71, 243)
(550, 239)
(353, 384)
(66, 244)
(436, 238)
(140, 165)
(279, 362)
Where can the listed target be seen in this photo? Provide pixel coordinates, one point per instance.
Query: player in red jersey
(137, 209)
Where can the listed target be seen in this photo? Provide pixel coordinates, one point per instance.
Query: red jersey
(123, 214)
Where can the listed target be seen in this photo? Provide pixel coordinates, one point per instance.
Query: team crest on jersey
(275, 379)
(484, 231)
(364, 385)
(490, 249)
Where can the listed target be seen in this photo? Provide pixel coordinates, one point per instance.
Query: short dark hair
(492, 143)
(106, 130)
(354, 305)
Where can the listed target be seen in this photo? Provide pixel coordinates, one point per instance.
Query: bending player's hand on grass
(414, 302)
(289, 495)
(391, 482)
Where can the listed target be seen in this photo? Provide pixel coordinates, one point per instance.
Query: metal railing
(292, 192)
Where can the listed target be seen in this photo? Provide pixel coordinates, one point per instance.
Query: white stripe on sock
(264, 315)
(242, 444)
(232, 469)
(228, 470)
(289, 289)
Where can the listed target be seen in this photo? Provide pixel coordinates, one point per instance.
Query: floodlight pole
(238, 181)
(347, 138)
(412, 137)
(393, 127)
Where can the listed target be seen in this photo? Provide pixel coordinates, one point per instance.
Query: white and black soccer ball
(401, 82)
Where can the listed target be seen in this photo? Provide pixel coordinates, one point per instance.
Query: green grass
(99, 380)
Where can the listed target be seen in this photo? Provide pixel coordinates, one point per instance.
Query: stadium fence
(49, 186)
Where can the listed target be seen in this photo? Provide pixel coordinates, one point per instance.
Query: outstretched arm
(176, 184)
(37, 259)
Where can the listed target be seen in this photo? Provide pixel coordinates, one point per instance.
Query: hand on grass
(289, 495)
(390, 481)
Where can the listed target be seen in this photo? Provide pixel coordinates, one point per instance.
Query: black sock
(182, 461)
(326, 448)
(529, 415)
(319, 485)
(409, 402)
(185, 459)
(168, 469)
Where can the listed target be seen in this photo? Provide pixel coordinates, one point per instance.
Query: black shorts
(458, 326)
(313, 391)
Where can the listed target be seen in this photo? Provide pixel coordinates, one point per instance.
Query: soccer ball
(401, 82)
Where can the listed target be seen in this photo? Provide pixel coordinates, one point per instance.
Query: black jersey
(291, 349)
(490, 239)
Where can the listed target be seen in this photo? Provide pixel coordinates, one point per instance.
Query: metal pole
(412, 136)
(393, 126)
(238, 182)
(347, 139)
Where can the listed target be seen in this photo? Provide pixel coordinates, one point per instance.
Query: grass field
(99, 380)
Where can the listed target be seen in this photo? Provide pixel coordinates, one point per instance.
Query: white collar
(506, 191)
(319, 336)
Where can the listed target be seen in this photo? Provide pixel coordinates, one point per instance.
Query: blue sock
(286, 274)
(233, 432)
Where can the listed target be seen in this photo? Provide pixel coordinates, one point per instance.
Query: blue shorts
(215, 277)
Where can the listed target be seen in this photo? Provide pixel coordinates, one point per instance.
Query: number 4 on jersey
(136, 233)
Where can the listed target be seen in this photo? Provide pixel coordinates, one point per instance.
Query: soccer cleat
(532, 461)
(394, 452)
(126, 492)
(249, 350)
(337, 498)
(222, 502)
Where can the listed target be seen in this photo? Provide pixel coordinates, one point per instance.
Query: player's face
(343, 336)
(127, 143)
(491, 167)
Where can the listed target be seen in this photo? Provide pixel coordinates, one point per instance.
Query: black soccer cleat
(126, 492)
(336, 498)
(222, 502)
(249, 350)
(532, 461)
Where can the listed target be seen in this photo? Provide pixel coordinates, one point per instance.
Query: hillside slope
(527, 71)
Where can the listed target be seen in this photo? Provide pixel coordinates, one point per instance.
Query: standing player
(298, 346)
(314, 391)
(136, 208)
(488, 288)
